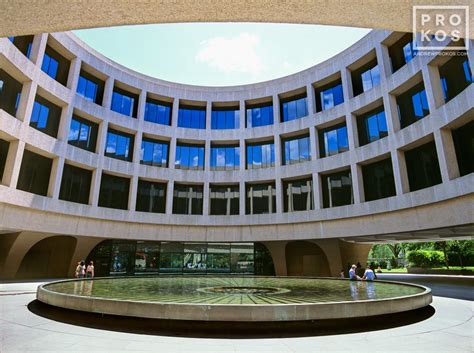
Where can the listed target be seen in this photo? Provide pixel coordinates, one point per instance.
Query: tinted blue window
(408, 51)
(87, 89)
(333, 141)
(154, 153)
(82, 134)
(225, 119)
(412, 105)
(294, 109)
(39, 116)
(225, 157)
(260, 116)
(189, 157)
(331, 97)
(370, 78)
(119, 146)
(297, 150)
(158, 113)
(192, 118)
(260, 156)
(467, 71)
(50, 66)
(122, 104)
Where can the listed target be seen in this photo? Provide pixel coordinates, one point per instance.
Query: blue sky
(214, 54)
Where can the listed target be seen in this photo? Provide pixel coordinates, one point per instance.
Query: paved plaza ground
(449, 329)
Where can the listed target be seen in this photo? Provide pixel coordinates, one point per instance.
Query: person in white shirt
(352, 274)
(369, 275)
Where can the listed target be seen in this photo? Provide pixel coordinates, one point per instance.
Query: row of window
(422, 169)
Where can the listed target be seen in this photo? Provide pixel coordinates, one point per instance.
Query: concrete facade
(446, 205)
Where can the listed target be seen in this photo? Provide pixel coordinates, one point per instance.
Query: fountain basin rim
(240, 312)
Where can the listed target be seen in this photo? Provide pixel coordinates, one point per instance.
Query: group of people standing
(85, 272)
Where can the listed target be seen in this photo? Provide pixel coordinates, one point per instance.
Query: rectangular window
(45, 116)
(225, 118)
(225, 157)
(10, 93)
(298, 195)
(378, 180)
(333, 140)
(154, 153)
(34, 174)
(151, 197)
(412, 105)
(455, 76)
(296, 150)
(463, 138)
(75, 184)
(124, 102)
(147, 257)
(337, 189)
(259, 115)
(4, 146)
(90, 88)
(294, 108)
(158, 112)
(372, 126)
(189, 157)
(329, 96)
(83, 134)
(55, 65)
(119, 145)
(187, 199)
(224, 200)
(365, 77)
(402, 52)
(192, 117)
(260, 198)
(422, 167)
(114, 192)
(261, 155)
(23, 44)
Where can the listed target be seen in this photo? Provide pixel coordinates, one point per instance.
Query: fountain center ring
(242, 290)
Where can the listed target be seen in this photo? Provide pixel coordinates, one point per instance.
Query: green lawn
(404, 270)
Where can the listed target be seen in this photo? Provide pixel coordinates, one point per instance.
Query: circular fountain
(235, 299)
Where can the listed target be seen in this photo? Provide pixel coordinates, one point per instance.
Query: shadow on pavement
(238, 330)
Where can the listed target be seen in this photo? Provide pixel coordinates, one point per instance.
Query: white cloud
(230, 55)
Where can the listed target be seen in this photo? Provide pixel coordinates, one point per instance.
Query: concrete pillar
(346, 79)
(83, 248)
(208, 115)
(448, 163)
(432, 82)
(391, 113)
(400, 174)
(276, 110)
(172, 153)
(310, 99)
(108, 91)
(279, 195)
(352, 134)
(13, 163)
(313, 143)
(277, 250)
(242, 197)
(207, 155)
(174, 113)
(470, 56)
(27, 100)
(317, 192)
(383, 60)
(55, 177)
(141, 106)
(95, 187)
(331, 249)
(357, 183)
(73, 75)
(205, 199)
(137, 146)
(242, 117)
(352, 253)
(65, 122)
(38, 47)
(169, 197)
(132, 194)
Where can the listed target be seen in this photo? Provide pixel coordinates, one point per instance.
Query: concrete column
(279, 193)
(95, 187)
(391, 113)
(132, 194)
(27, 100)
(13, 163)
(169, 197)
(65, 122)
(174, 113)
(317, 192)
(242, 116)
(141, 105)
(276, 110)
(172, 153)
(346, 79)
(448, 163)
(108, 91)
(242, 197)
(38, 47)
(137, 146)
(278, 150)
(352, 253)
(208, 115)
(205, 199)
(314, 141)
(102, 138)
(432, 82)
(84, 246)
(243, 154)
(73, 75)
(352, 135)
(331, 249)
(277, 250)
(310, 99)
(357, 183)
(470, 56)
(400, 174)
(383, 60)
(207, 155)
(55, 177)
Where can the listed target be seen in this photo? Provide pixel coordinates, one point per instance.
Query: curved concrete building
(293, 176)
